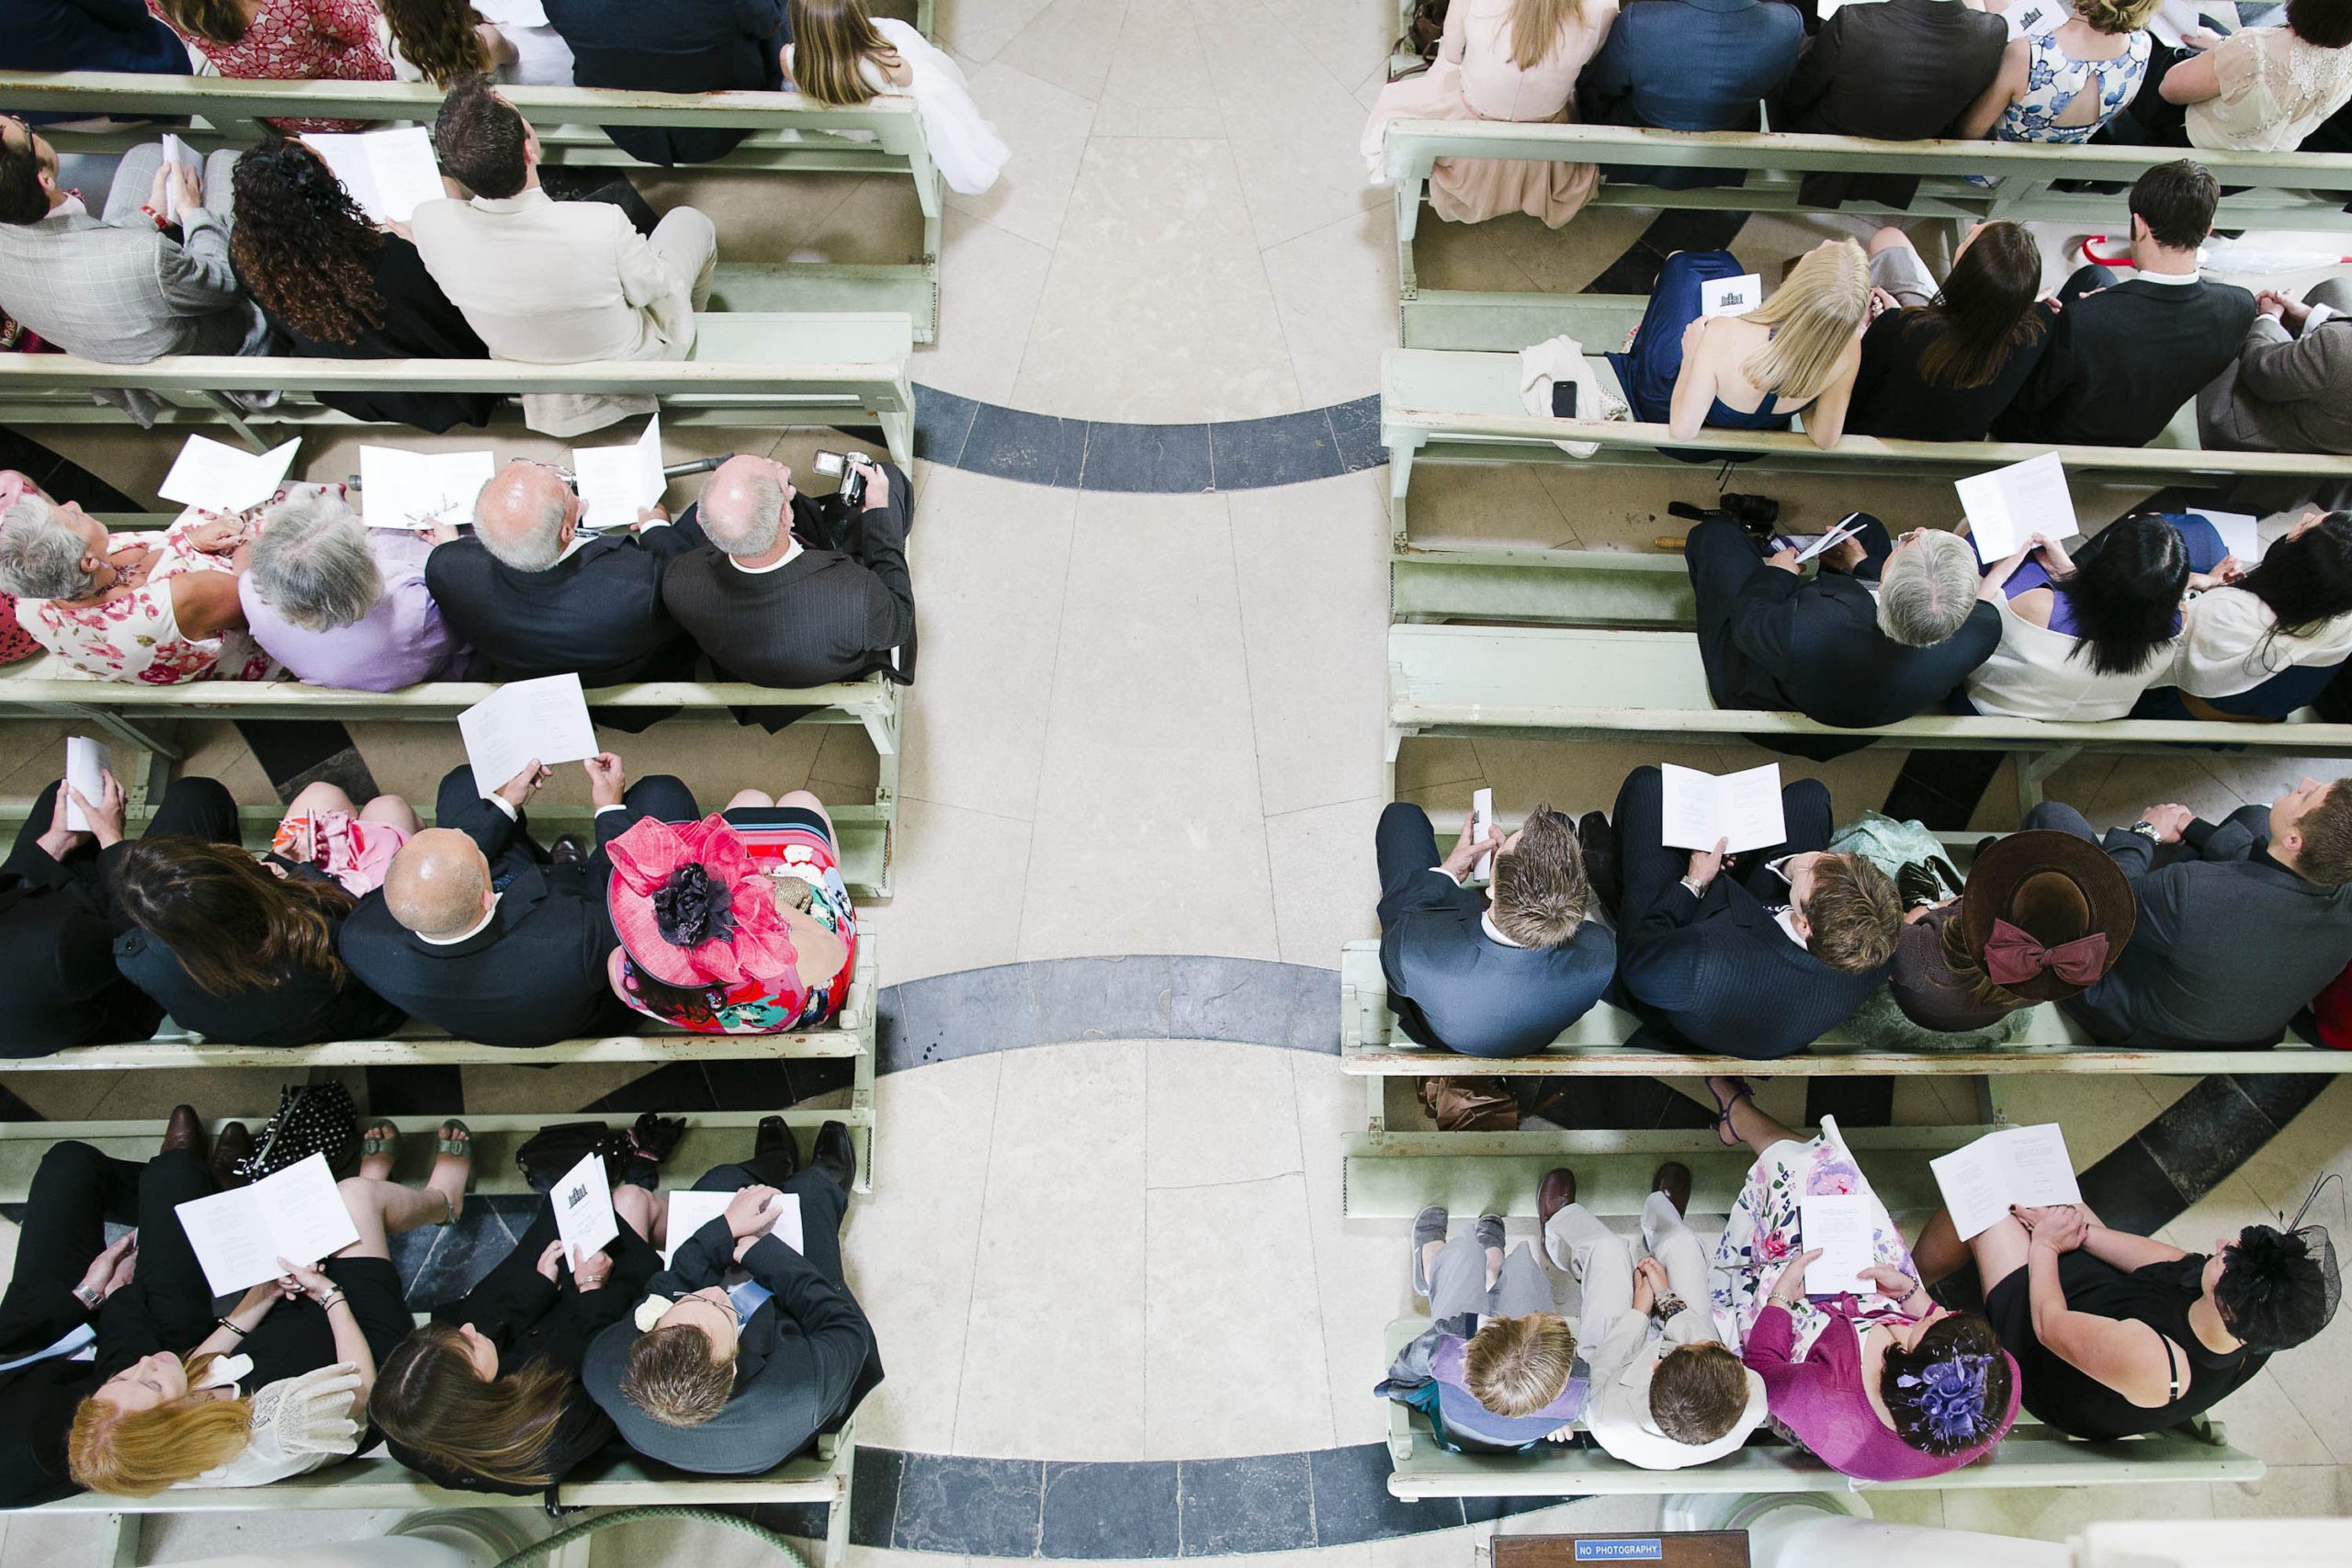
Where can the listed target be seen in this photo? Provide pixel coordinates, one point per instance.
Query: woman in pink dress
(1502, 60)
(158, 608)
(285, 40)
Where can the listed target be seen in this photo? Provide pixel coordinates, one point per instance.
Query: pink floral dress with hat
(135, 635)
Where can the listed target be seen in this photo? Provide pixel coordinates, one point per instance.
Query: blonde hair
(142, 1452)
(1535, 28)
(1516, 1366)
(831, 39)
(2115, 16)
(1855, 913)
(674, 1377)
(1817, 311)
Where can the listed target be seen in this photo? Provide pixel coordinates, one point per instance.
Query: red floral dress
(135, 635)
(300, 40)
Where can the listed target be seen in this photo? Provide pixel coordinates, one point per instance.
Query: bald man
(475, 932)
(534, 595)
(793, 590)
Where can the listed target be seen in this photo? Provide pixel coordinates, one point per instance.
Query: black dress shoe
(1918, 882)
(1598, 841)
(570, 850)
(184, 1130)
(234, 1146)
(1673, 1179)
(836, 1153)
(772, 1144)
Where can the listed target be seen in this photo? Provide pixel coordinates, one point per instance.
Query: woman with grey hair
(336, 609)
(159, 608)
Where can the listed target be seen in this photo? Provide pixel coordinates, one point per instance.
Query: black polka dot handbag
(311, 1119)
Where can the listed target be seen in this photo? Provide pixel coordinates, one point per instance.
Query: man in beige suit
(555, 282)
(2290, 390)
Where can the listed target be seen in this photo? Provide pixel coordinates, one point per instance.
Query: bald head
(524, 515)
(438, 885)
(743, 504)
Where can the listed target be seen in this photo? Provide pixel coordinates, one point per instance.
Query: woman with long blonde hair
(280, 1387)
(1500, 60)
(1796, 351)
(843, 56)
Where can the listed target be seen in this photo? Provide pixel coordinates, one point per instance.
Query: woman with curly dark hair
(2116, 1334)
(339, 287)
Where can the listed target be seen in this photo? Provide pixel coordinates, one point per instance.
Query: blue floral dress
(2053, 79)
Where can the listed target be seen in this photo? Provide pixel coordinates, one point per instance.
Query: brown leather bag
(1470, 1105)
(1424, 26)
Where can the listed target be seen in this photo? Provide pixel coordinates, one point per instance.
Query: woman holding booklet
(2117, 1334)
(487, 1397)
(1881, 1384)
(280, 1385)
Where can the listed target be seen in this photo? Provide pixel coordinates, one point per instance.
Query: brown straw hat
(2046, 914)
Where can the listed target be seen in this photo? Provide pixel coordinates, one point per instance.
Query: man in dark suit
(1689, 65)
(475, 931)
(1897, 70)
(727, 1382)
(1494, 974)
(1759, 965)
(58, 920)
(532, 595)
(680, 46)
(2237, 930)
(791, 591)
(1827, 646)
(2124, 356)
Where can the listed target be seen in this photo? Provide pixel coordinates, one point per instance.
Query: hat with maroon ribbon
(2046, 913)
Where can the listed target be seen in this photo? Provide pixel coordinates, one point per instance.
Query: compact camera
(850, 470)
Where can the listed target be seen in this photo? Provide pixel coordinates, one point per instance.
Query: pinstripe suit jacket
(1718, 973)
(123, 293)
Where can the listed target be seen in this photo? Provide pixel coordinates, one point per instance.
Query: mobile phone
(848, 470)
(1564, 399)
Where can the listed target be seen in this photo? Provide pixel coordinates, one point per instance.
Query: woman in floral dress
(285, 40)
(156, 608)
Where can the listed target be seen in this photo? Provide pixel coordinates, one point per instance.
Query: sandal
(1740, 1090)
(382, 1137)
(455, 1139)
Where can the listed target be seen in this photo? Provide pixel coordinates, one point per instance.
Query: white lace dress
(300, 1424)
(2276, 88)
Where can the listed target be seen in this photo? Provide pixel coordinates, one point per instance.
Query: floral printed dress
(2054, 79)
(135, 635)
(301, 40)
(1763, 1228)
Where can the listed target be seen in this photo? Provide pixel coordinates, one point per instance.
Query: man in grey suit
(127, 286)
(2238, 929)
(2290, 390)
(733, 1379)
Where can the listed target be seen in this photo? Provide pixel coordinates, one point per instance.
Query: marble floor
(1150, 724)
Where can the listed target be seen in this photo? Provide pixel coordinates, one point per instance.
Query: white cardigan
(2034, 675)
(2223, 650)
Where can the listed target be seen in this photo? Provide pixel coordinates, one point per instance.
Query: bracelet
(89, 1303)
(327, 1303)
(160, 222)
(230, 1326)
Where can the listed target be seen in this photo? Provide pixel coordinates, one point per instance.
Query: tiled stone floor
(1107, 1260)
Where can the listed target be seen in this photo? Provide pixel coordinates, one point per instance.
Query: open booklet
(400, 489)
(689, 1211)
(2007, 506)
(217, 478)
(616, 483)
(2025, 1166)
(547, 718)
(389, 173)
(240, 1235)
(1700, 809)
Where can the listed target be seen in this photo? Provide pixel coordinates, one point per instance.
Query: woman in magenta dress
(1883, 1387)
(738, 924)
(285, 40)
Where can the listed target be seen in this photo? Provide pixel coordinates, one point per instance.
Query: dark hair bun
(2273, 1294)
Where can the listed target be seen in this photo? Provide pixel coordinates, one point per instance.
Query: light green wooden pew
(748, 369)
(2266, 190)
(2031, 1455)
(790, 134)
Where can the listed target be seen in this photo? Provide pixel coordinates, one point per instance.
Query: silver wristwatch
(2147, 830)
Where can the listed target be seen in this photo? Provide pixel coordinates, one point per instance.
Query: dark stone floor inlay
(1147, 459)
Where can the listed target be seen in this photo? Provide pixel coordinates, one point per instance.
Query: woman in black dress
(1940, 366)
(487, 1397)
(234, 951)
(339, 287)
(2117, 1335)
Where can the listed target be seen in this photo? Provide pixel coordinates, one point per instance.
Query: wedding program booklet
(1701, 808)
(616, 483)
(1844, 1226)
(583, 1207)
(2007, 506)
(226, 478)
(689, 1211)
(240, 1235)
(547, 718)
(2025, 1166)
(86, 760)
(400, 489)
(389, 173)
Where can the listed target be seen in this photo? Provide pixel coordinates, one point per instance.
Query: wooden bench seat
(756, 368)
(1463, 406)
(790, 134)
(2264, 190)
(2031, 1455)
(1372, 1045)
(616, 1479)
